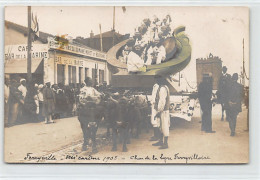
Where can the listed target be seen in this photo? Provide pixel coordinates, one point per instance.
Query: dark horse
(90, 115)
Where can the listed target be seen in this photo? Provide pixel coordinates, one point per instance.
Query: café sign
(19, 52)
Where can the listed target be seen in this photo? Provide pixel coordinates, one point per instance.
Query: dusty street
(61, 143)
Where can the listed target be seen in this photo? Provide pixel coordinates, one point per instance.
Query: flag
(124, 9)
(35, 27)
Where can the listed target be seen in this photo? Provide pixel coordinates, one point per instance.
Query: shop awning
(17, 66)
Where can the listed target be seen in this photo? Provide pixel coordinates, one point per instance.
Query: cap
(40, 86)
(127, 48)
(130, 42)
(21, 80)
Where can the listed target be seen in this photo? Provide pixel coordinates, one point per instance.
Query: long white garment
(7, 93)
(124, 53)
(164, 114)
(154, 122)
(161, 54)
(23, 89)
(134, 62)
(148, 36)
(36, 100)
(40, 96)
(149, 56)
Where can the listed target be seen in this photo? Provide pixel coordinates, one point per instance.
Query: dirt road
(61, 143)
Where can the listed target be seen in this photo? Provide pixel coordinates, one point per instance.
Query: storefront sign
(75, 49)
(20, 51)
(68, 61)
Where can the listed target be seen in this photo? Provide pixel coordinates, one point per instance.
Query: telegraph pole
(101, 40)
(243, 80)
(114, 14)
(29, 60)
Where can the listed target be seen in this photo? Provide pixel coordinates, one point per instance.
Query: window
(101, 76)
(80, 74)
(61, 73)
(94, 76)
(74, 75)
(86, 73)
(69, 74)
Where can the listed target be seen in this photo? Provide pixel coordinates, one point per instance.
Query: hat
(116, 93)
(130, 42)
(21, 80)
(127, 48)
(40, 86)
(169, 19)
(142, 29)
(155, 18)
(137, 34)
(146, 20)
(160, 34)
(138, 47)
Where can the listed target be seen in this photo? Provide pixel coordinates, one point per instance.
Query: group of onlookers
(30, 102)
(146, 46)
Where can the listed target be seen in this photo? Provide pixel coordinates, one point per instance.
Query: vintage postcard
(121, 84)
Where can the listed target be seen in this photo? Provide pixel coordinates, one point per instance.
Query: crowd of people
(230, 95)
(30, 102)
(145, 47)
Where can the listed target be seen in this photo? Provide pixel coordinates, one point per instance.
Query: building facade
(52, 60)
(210, 65)
(206, 66)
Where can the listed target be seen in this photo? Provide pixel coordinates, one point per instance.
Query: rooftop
(43, 36)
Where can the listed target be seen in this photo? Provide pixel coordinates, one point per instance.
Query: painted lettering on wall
(19, 52)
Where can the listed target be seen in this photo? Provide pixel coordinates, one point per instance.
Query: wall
(58, 57)
(209, 66)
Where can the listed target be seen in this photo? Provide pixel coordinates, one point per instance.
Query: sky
(216, 30)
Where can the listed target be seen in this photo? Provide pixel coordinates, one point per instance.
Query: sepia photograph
(126, 84)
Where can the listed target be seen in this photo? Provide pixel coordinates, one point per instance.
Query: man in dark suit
(222, 90)
(235, 97)
(205, 95)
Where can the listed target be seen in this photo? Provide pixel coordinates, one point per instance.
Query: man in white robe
(134, 62)
(23, 88)
(159, 49)
(149, 55)
(154, 120)
(162, 105)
